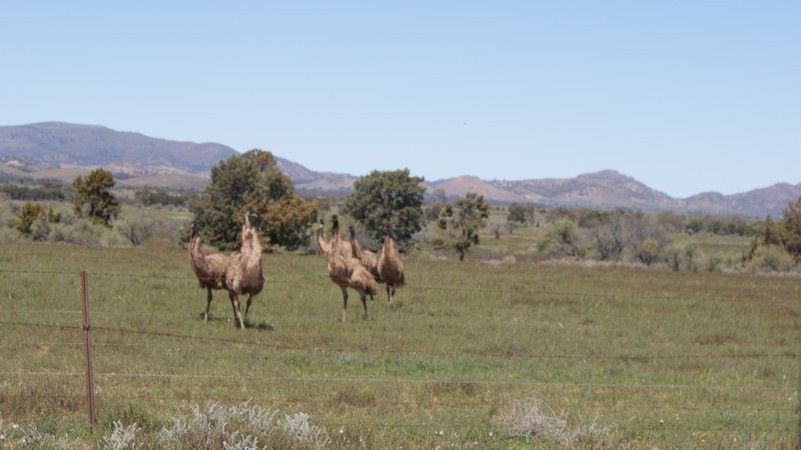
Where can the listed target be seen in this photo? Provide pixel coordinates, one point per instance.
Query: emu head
(335, 223)
(352, 231)
(194, 229)
(248, 229)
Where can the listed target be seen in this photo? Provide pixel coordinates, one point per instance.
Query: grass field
(661, 359)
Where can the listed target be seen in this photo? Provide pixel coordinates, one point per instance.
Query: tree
(388, 202)
(791, 229)
(252, 182)
(520, 213)
(462, 223)
(93, 199)
(27, 216)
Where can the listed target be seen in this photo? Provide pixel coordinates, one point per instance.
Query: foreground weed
(528, 421)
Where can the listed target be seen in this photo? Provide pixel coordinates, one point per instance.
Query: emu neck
(325, 247)
(252, 251)
(389, 245)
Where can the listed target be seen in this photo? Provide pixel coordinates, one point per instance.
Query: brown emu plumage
(239, 273)
(347, 271)
(390, 269)
(369, 259)
(325, 246)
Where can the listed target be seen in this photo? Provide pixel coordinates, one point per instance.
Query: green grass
(664, 359)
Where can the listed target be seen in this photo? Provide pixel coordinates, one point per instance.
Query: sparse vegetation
(607, 342)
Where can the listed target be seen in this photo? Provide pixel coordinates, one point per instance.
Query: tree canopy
(388, 202)
(252, 182)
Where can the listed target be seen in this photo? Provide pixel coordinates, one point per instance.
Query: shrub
(526, 420)
(29, 213)
(773, 259)
(121, 438)
(648, 251)
(241, 426)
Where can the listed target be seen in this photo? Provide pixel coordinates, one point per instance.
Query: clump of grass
(241, 426)
(121, 438)
(527, 420)
(33, 401)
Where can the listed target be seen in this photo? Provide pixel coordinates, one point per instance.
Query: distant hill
(61, 151)
(53, 145)
(609, 189)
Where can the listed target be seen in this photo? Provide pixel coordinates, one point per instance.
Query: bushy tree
(33, 221)
(791, 229)
(93, 198)
(609, 239)
(388, 202)
(518, 213)
(252, 182)
(561, 239)
(27, 216)
(462, 224)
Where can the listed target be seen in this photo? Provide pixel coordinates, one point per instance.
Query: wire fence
(540, 292)
(110, 381)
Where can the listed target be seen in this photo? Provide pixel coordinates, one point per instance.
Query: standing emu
(345, 270)
(239, 273)
(390, 268)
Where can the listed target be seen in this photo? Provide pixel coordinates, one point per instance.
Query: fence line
(475, 401)
(413, 287)
(466, 354)
(408, 381)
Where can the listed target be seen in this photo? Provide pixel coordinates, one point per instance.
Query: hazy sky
(684, 96)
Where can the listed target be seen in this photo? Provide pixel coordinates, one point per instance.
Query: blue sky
(684, 96)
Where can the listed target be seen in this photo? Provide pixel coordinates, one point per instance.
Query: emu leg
(389, 297)
(344, 304)
(247, 305)
(235, 305)
(208, 304)
(364, 302)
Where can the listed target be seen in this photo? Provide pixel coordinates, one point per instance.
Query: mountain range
(61, 151)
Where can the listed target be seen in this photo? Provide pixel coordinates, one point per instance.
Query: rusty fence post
(87, 350)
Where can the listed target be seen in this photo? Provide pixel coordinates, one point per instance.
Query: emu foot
(344, 317)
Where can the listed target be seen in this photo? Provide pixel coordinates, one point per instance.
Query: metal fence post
(87, 350)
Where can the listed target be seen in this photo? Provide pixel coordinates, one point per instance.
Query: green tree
(93, 198)
(791, 229)
(388, 202)
(462, 223)
(252, 182)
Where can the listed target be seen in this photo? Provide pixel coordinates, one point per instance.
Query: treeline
(674, 222)
(149, 197)
(37, 193)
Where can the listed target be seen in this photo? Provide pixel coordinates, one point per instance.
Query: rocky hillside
(62, 151)
(52, 145)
